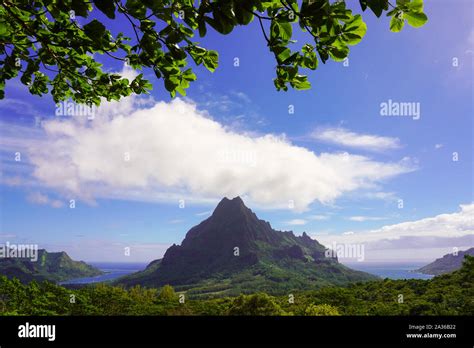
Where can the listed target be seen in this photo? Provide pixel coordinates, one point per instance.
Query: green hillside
(55, 267)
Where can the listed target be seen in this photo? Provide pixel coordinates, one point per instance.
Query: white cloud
(12, 181)
(344, 137)
(178, 152)
(204, 213)
(318, 217)
(39, 198)
(423, 238)
(385, 196)
(242, 96)
(17, 104)
(365, 218)
(438, 146)
(12, 138)
(296, 222)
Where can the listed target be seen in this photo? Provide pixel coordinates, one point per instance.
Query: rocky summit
(233, 252)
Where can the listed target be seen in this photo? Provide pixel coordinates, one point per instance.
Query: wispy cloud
(385, 196)
(235, 109)
(347, 138)
(366, 218)
(20, 106)
(42, 199)
(242, 96)
(318, 217)
(296, 222)
(204, 213)
(439, 233)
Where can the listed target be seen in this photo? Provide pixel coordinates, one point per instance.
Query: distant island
(53, 267)
(233, 252)
(446, 264)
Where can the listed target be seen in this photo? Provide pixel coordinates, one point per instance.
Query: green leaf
(136, 8)
(354, 30)
(170, 85)
(95, 30)
(282, 53)
(107, 7)
(3, 28)
(416, 19)
(416, 5)
(80, 7)
(189, 75)
(397, 22)
(221, 22)
(242, 15)
(281, 30)
(285, 31)
(338, 50)
(402, 2)
(202, 28)
(377, 6)
(300, 82)
(211, 60)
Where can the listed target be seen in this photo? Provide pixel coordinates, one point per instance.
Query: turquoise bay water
(391, 270)
(112, 271)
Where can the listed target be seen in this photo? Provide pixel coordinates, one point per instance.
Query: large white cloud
(170, 151)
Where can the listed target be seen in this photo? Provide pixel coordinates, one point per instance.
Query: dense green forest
(449, 294)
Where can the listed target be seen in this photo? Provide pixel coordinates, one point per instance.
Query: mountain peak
(236, 201)
(235, 242)
(229, 207)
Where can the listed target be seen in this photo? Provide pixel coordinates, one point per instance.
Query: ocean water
(391, 270)
(112, 271)
(384, 270)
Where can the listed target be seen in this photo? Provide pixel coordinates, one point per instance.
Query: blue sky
(396, 157)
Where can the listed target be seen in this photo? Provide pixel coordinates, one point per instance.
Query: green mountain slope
(54, 267)
(234, 252)
(447, 263)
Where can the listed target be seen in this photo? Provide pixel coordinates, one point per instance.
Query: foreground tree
(256, 304)
(53, 44)
(167, 293)
(320, 310)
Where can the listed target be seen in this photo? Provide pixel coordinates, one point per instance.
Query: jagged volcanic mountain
(233, 252)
